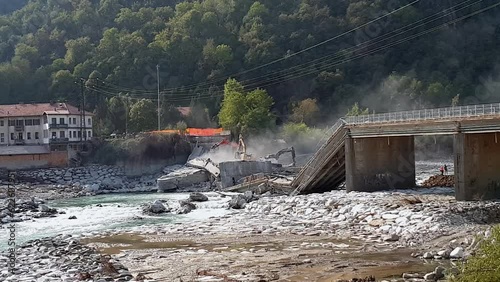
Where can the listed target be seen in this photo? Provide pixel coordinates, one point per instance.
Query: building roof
(23, 150)
(185, 111)
(27, 110)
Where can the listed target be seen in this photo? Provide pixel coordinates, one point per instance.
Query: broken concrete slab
(232, 171)
(181, 178)
(205, 164)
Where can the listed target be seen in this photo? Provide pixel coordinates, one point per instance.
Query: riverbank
(320, 237)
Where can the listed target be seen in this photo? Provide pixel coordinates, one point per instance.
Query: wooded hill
(394, 63)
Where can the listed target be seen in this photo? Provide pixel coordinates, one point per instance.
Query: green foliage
(302, 137)
(306, 111)
(293, 131)
(45, 45)
(357, 111)
(151, 146)
(484, 266)
(143, 116)
(181, 126)
(245, 112)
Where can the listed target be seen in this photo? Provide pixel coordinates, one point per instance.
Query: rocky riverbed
(344, 234)
(61, 258)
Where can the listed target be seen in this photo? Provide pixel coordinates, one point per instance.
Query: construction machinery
(241, 152)
(277, 155)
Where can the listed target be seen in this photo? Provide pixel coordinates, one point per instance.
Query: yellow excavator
(241, 152)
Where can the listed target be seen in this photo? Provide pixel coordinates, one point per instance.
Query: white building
(43, 124)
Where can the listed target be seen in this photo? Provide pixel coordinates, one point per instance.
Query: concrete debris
(440, 181)
(181, 178)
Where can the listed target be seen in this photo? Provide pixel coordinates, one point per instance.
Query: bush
(150, 146)
(484, 266)
(302, 137)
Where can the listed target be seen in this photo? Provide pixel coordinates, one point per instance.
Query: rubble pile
(439, 181)
(61, 258)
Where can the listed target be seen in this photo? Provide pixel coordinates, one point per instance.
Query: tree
(143, 116)
(357, 111)
(306, 111)
(245, 112)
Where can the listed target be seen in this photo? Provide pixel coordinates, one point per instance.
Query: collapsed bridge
(376, 152)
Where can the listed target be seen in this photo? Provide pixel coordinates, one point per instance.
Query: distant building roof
(23, 150)
(27, 110)
(185, 111)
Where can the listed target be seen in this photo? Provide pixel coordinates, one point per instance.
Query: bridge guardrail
(427, 114)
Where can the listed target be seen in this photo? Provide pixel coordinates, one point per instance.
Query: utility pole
(158, 81)
(82, 108)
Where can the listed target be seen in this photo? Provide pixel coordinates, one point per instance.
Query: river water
(118, 211)
(123, 211)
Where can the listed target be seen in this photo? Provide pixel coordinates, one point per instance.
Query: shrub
(484, 265)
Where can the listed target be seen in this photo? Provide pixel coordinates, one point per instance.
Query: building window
(37, 136)
(20, 122)
(74, 120)
(12, 122)
(28, 122)
(54, 135)
(61, 134)
(20, 136)
(12, 136)
(85, 134)
(1, 122)
(89, 122)
(36, 121)
(74, 134)
(79, 134)
(54, 121)
(61, 120)
(90, 134)
(28, 135)
(2, 137)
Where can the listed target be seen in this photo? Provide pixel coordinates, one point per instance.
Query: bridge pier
(477, 163)
(379, 163)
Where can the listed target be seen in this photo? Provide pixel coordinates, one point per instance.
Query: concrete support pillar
(477, 164)
(380, 163)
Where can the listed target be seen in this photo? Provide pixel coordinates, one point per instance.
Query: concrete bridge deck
(376, 152)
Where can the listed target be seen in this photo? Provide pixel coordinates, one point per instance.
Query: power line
(183, 98)
(194, 86)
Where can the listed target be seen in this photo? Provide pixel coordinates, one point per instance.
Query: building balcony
(19, 128)
(59, 140)
(19, 142)
(58, 125)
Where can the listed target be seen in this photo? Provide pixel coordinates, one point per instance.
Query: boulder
(457, 253)
(237, 202)
(198, 197)
(186, 207)
(157, 207)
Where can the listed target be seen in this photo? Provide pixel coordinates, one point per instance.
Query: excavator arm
(277, 155)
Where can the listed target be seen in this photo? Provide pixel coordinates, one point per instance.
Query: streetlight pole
(158, 81)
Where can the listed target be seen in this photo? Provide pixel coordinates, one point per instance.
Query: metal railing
(428, 114)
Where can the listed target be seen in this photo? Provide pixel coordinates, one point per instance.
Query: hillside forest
(248, 65)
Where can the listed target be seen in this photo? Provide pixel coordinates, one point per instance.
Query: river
(118, 211)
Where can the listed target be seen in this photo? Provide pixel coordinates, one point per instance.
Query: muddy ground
(263, 258)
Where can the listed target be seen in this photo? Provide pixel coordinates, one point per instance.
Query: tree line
(47, 46)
